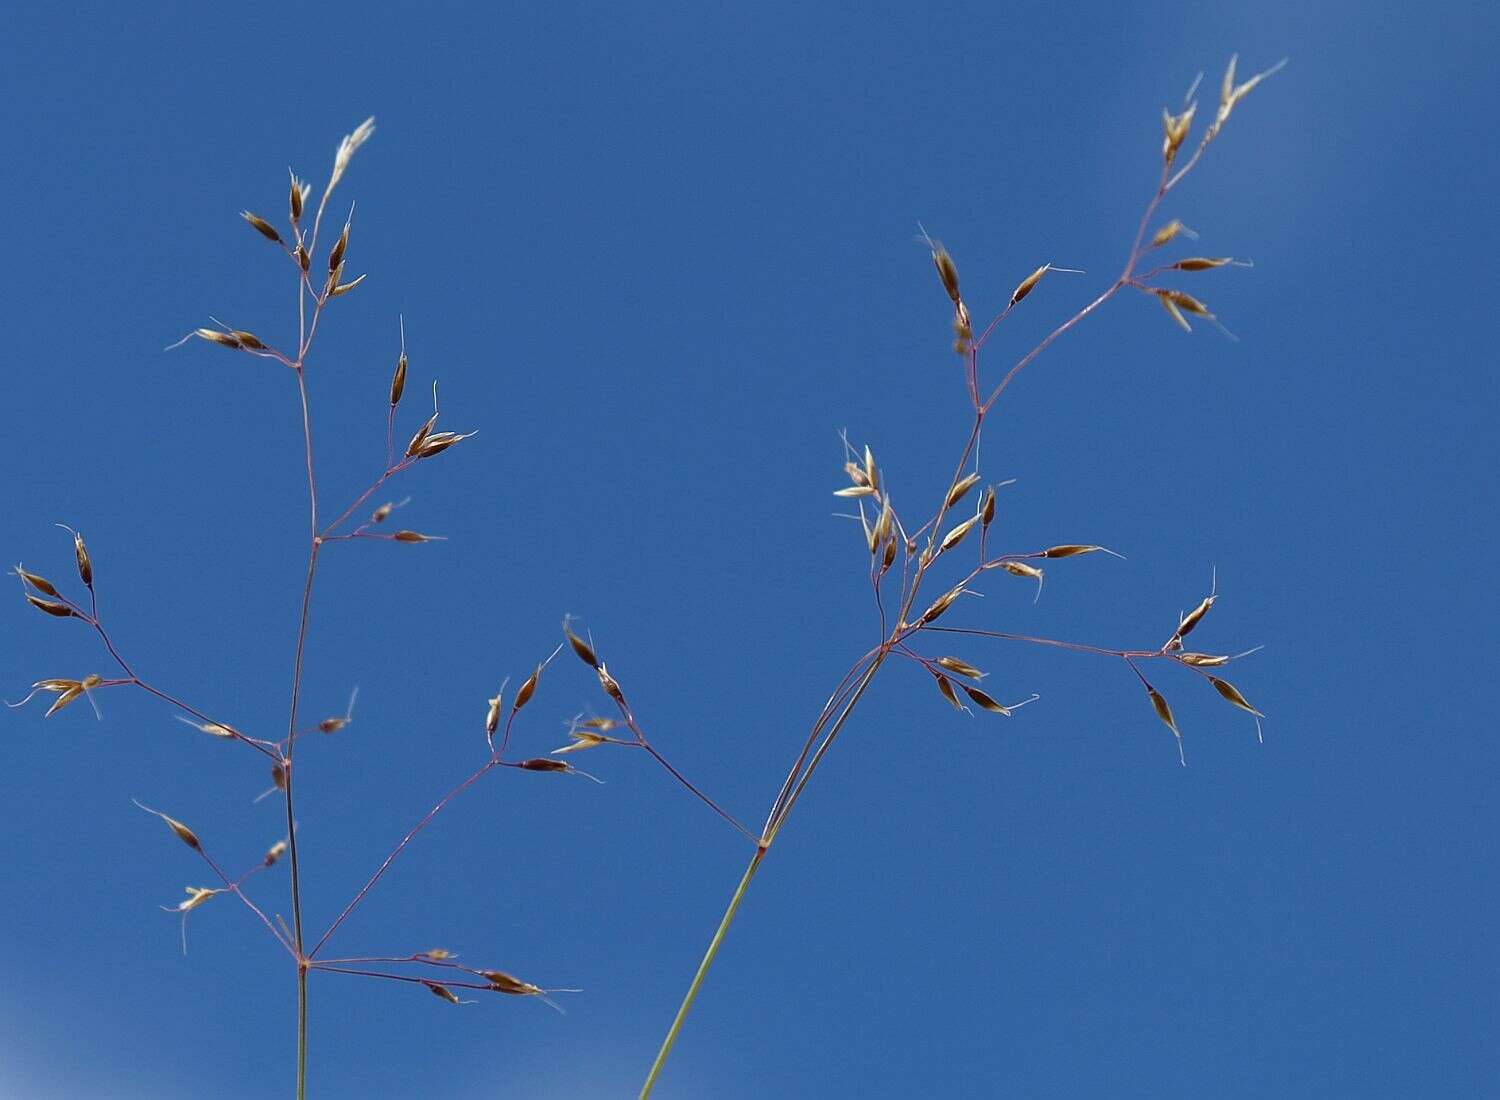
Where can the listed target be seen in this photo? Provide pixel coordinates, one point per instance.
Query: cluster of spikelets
(888, 539)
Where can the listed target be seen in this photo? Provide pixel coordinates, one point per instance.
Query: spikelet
(1072, 550)
(501, 982)
(1028, 284)
(1233, 696)
(438, 442)
(1203, 660)
(398, 379)
(40, 583)
(957, 535)
(581, 739)
(297, 197)
(610, 685)
(442, 991)
(273, 853)
(962, 668)
(415, 536)
(492, 714)
(585, 651)
(261, 226)
(1175, 128)
(940, 605)
(346, 150)
(213, 729)
(1169, 232)
(542, 764)
(945, 687)
(1021, 569)
(51, 607)
(179, 830)
(524, 694)
(1164, 712)
(960, 489)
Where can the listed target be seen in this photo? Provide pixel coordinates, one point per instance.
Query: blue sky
(659, 257)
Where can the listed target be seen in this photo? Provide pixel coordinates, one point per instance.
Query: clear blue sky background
(660, 256)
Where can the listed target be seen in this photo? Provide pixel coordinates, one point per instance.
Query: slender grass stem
(703, 968)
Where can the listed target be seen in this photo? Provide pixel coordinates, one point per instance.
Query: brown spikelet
(436, 954)
(945, 687)
(1186, 302)
(1069, 550)
(442, 991)
(1021, 569)
(336, 254)
(542, 764)
(41, 584)
(501, 982)
(1164, 712)
(582, 648)
(961, 489)
(413, 536)
(1232, 694)
(962, 668)
(179, 830)
(610, 685)
(1203, 660)
(51, 607)
(947, 271)
(957, 535)
(273, 853)
(304, 261)
(438, 442)
(984, 702)
(66, 696)
(1192, 619)
(527, 690)
(382, 513)
(421, 437)
(81, 558)
(1028, 284)
(1175, 313)
(339, 288)
(261, 226)
(1202, 263)
(987, 509)
(248, 340)
(214, 336)
(295, 200)
(398, 381)
(940, 605)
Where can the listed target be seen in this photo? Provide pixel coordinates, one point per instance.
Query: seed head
(442, 991)
(274, 852)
